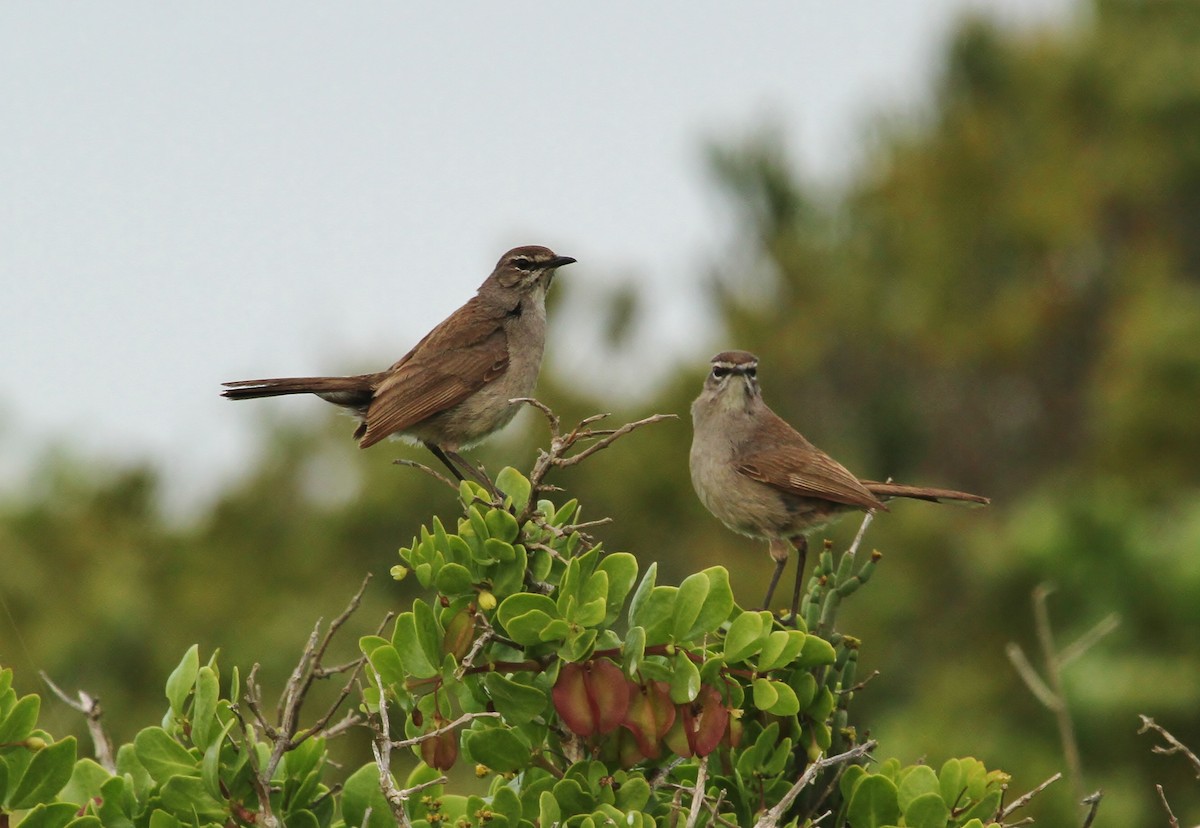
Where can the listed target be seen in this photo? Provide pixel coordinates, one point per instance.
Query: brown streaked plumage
(453, 388)
(762, 478)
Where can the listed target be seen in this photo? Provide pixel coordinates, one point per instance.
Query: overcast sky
(196, 192)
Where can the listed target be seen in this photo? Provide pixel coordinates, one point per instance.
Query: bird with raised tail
(453, 388)
(762, 478)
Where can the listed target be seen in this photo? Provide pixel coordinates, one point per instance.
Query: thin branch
(1062, 715)
(613, 437)
(1023, 800)
(1089, 639)
(1029, 675)
(429, 471)
(1092, 800)
(89, 706)
(698, 793)
(862, 530)
(465, 718)
(772, 817)
(1173, 744)
(1172, 821)
(381, 747)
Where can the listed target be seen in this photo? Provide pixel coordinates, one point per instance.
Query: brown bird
(762, 478)
(453, 388)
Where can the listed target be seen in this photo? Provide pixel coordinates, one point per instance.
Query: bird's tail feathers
(885, 491)
(348, 391)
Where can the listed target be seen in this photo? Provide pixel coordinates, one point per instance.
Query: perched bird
(762, 478)
(453, 388)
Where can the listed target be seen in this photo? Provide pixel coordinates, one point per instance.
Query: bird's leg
(441, 455)
(801, 544)
(457, 464)
(475, 472)
(779, 550)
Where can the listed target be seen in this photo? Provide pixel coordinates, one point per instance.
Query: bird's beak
(559, 261)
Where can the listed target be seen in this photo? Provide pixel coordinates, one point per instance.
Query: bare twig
(862, 530)
(1172, 820)
(1092, 800)
(1173, 744)
(434, 473)
(698, 793)
(1089, 639)
(772, 817)
(89, 706)
(381, 748)
(465, 718)
(1050, 691)
(1024, 799)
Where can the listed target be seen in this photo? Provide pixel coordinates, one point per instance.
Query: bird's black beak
(559, 261)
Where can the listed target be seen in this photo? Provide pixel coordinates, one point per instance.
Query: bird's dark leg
(780, 552)
(441, 455)
(457, 464)
(801, 544)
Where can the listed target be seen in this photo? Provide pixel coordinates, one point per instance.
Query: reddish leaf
(441, 751)
(570, 697)
(705, 721)
(609, 692)
(460, 633)
(650, 716)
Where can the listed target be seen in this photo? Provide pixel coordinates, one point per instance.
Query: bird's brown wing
(805, 471)
(458, 357)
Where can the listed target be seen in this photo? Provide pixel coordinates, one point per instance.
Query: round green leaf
(874, 803)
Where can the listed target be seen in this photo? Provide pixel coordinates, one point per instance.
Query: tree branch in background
(89, 706)
(1049, 691)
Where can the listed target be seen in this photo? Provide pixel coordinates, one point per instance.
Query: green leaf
(688, 602)
(765, 694)
(718, 603)
(526, 616)
(182, 678)
(162, 756)
(88, 821)
(816, 652)
(851, 776)
(161, 819)
(53, 815)
(780, 649)
(786, 703)
(85, 783)
(928, 810)
(621, 568)
(360, 792)
(412, 652)
(47, 773)
(746, 636)
(20, 721)
(501, 525)
(505, 803)
(186, 794)
(518, 703)
(951, 781)
(516, 486)
(548, 811)
(917, 781)
(498, 748)
(643, 592)
(210, 764)
(874, 803)
(204, 708)
(453, 579)
(685, 679)
(387, 662)
(634, 650)
(429, 633)
(656, 613)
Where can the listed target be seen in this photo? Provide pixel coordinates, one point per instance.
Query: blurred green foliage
(1005, 298)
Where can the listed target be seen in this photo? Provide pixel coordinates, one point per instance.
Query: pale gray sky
(195, 192)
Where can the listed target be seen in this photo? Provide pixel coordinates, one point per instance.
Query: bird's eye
(719, 372)
(523, 264)
(752, 372)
